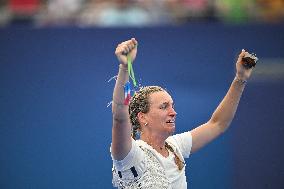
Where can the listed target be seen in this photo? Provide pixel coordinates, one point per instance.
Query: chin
(171, 132)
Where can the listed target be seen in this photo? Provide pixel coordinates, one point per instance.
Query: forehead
(160, 97)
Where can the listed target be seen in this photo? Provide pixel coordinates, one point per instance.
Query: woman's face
(161, 115)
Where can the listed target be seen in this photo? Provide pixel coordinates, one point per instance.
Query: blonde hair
(140, 103)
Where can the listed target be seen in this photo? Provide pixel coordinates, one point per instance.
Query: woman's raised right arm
(121, 129)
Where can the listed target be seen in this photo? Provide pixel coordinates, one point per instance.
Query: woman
(156, 160)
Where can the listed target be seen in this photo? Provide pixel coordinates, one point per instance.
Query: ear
(141, 118)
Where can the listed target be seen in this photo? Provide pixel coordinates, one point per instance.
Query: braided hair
(140, 103)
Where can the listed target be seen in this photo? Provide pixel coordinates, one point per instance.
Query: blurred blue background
(55, 126)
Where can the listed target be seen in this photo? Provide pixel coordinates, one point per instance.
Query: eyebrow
(167, 103)
(163, 103)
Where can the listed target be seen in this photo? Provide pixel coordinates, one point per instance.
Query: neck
(156, 141)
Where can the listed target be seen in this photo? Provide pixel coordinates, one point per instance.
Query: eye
(164, 106)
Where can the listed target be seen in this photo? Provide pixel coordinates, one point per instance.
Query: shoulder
(181, 143)
(134, 157)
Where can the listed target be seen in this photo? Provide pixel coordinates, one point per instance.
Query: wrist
(123, 67)
(240, 80)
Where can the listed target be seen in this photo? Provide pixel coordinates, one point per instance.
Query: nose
(173, 112)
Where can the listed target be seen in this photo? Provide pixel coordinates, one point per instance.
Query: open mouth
(171, 121)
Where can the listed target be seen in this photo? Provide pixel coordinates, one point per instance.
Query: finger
(134, 41)
(131, 46)
(126, 49)
(243, 53)
(123, 48)
(131, 42)
(126, 46)
(241, 56)
(119, 50)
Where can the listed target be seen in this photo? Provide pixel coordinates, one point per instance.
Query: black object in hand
(249, 60)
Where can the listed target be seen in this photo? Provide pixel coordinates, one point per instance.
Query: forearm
(225, 112)
(121, 129)
(119, 109)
